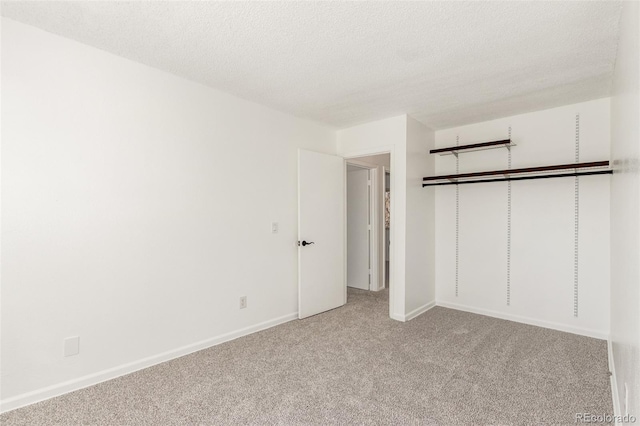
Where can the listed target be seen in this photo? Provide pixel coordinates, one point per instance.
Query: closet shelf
(473, 147)
(528, 173)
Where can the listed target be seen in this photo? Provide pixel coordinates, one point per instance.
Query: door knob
(304, 243)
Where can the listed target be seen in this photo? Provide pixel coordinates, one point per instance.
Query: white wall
(420, 252)
(542, 226)
(137, 209)
(625, 214)
(380, 160)
(388, 135)
(412, 218)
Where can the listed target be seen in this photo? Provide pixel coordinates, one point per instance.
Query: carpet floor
(354, 365)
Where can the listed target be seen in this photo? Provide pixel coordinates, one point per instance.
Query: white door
(321, 228)
(358, 245)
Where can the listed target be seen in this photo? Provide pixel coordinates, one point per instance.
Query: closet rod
(504, 142)
(506, 178)
(570, 166)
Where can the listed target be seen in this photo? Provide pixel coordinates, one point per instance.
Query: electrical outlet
(243, 302)
(72, 346)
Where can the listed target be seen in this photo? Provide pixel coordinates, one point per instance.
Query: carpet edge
(527, 320)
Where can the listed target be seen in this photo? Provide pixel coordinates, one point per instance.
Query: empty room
(306, 213)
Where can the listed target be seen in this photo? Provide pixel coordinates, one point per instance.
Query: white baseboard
(419, 311)
(614, 382)
(397, 317)
(111, 373)
(526, 320)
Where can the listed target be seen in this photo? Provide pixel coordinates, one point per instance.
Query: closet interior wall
(537, 252)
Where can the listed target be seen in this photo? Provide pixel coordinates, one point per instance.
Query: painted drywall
(420, 239)
(380, 160)
(625, 215)
(412, 219)
(137, 209)
(358, 245)
(388, 135)
(542, 222)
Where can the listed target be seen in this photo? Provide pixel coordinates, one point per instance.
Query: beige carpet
(354, 365)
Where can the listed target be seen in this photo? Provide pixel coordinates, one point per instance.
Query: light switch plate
(274, 227)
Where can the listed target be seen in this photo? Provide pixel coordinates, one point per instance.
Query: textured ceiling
(344, 63)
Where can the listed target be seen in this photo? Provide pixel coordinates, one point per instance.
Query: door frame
(383, 229)
(374, 222)
(393, 286)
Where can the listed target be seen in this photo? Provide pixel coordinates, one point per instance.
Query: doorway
(368, 222)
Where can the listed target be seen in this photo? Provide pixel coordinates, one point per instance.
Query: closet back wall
(527, 273)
